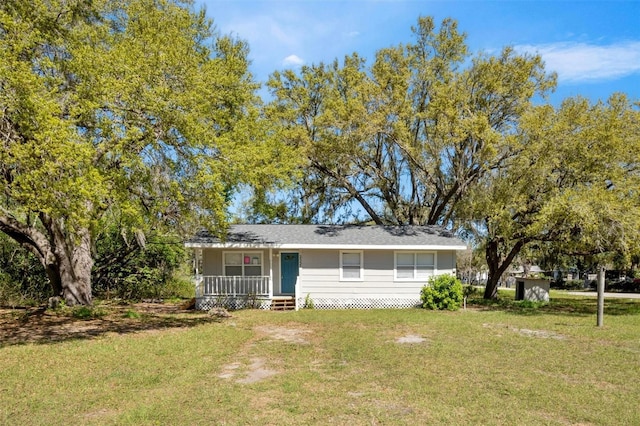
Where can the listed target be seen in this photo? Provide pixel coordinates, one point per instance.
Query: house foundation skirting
(232, 302)
(361, 303)
(243, 302)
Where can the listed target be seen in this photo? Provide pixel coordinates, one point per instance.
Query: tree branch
(351, 189)
(27, 236)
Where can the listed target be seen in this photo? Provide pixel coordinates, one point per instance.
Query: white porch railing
(207, 285)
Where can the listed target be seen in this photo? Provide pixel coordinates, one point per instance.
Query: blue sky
(594, 46)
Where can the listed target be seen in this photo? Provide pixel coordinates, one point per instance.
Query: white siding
(320, 275)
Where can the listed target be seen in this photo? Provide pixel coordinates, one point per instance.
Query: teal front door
(289, 268)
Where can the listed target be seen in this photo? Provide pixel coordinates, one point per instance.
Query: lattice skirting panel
(231, 303)
(362, 303)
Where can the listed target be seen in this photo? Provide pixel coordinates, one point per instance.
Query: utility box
(533, 289)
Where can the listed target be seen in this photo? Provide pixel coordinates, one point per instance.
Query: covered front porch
(245, 277)
(238, 292)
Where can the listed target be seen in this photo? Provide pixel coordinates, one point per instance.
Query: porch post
(199, 284)
(197, 256)
(270, 273)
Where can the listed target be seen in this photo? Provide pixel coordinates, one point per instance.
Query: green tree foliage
(401, 141)
(127, 267)
(574, 184)
(428, 135)
(442, 292)
(135, 104)
(140, 265)
(22, 278)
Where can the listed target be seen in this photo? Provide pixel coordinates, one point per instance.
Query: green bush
(23, 281)
(129, 270)
(442, 292)
(469, 291)
(177, 288)
(568, 284)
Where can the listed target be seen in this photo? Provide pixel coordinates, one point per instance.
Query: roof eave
(425, 247)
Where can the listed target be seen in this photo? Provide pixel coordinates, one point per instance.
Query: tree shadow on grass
(571, 306)
(42, 326)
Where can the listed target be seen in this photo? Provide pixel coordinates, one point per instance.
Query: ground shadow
(42, 326)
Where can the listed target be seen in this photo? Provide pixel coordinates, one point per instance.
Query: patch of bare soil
(40, 325)
(248, 370)
(411, 338)
(256, 372)
(542, 334)
(101, 413)
(290, 335)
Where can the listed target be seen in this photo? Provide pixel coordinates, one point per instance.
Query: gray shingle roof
(329, 236)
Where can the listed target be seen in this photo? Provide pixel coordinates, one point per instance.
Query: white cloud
(276, 30)
(293, 61)
(581, 62)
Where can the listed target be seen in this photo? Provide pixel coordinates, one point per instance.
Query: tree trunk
(71, 279)
(498, 266)
(491, 290)
(601, 281)
(493, 262)
(70, 272)
(66, 258)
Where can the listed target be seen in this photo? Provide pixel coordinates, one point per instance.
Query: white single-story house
(329, 266)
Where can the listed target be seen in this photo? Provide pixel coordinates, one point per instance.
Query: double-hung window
(414, 266)
(351, 268)
(243, 264)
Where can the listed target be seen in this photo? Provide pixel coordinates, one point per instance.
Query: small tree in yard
(442, 292)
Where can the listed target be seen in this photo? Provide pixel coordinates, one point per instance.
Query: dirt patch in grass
(542, 334)
(41, 325)
(101, 413)
(249, 369)
(256, 372)
(253, 373)
(286, 334)
(410, 338)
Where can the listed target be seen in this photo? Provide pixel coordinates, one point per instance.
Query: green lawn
(487, 365)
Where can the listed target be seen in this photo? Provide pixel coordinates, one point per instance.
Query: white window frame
(242, 264)
(415, 265)
(358, 252)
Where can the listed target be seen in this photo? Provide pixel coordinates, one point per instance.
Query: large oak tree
(402, 140)
(132, 105)
(574, 185)
(427, 134)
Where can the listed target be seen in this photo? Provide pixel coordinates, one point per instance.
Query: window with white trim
(242, 264)
(414, 266)
(351, 268)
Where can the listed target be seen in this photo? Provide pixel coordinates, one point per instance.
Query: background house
(331, 266)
